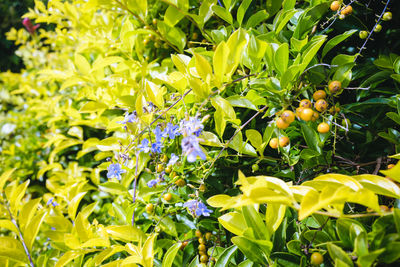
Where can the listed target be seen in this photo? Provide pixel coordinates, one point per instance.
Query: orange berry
(298, 112)
(281, 124)
(384, 208)
(335, 5)
(184, 244)
(334, 86)
(315, 116)
(180, 182)
(284, 141)
(287, 116)
(390, 166)
(167, 197)
(334, 110)
(273, 143)
(320, 94)
(317, 258)
(306, 114)
(347, 11)
(323, 127)
(305, 103)
(321, 105)
(201, 240)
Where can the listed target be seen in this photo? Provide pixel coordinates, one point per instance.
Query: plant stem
(20, 235)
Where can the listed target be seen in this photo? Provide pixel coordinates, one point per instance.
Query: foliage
(127, 139)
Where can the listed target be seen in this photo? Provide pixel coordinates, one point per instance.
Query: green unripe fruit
(378, 28)
(387, 16)
(255, 167)
(363, 34)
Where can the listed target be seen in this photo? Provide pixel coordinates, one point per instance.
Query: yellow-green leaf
(12, 249)
(233, 222)
(74, 203)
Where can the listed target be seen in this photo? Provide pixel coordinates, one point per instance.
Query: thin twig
(20, 236)
(378, 165)
(370, 33)
(134, 186)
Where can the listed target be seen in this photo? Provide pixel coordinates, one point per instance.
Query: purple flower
(158, 134)
(144, 146)
(152, 183)
(129, 118)
(156, 147)
(197, 208)
(171, 131)
(192, 126)
(52, 202)
(191, 148)
(115, 171)
(29, 26)
(173, 160)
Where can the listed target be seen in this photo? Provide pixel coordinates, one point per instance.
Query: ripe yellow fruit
(195, 36)
(203, 259)
(335, 5)
(320, 94)
(167, 197)
(208, 236)
(390, 166)
(287, 116)
(305, 103)
(306, 114)
(317, 258)
(201, 240)
(160, 168)
(298, 112)
(323, 127)
(149, 208)
(154, 21)
(164, 158)
(281, 124)
(180, 182)
(315, 116)
(347, 11)
(334, 86)
(321, 105)
(198, 233)
(202, 247)
(168, 170)
(378, 28)
(273, 143)
(284, 141)
(387, 16)
(202, 188)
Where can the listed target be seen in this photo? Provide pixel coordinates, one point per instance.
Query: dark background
(10, 16)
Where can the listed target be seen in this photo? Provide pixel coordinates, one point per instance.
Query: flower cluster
(115, 171)
(197, 208)
(190, 129)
